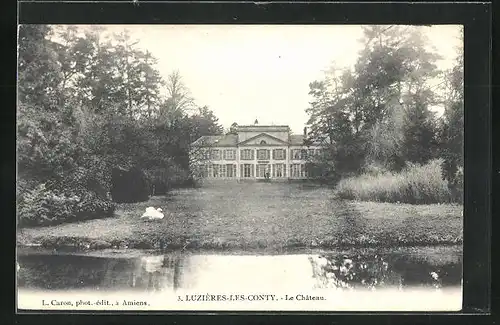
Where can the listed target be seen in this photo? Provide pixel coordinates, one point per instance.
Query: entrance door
(263, 170)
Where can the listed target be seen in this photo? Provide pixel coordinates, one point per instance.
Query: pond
(229, 276)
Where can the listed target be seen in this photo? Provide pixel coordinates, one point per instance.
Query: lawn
(259, 217)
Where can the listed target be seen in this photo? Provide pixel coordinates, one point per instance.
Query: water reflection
(160, 272)
(53, 272)
(156, 272)
(391, 270)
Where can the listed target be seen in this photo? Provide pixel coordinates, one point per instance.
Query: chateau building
(253, 152)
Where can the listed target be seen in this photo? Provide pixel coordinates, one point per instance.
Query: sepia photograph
(240, 167)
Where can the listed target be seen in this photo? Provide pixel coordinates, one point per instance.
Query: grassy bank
(415, 185)
(258, 217)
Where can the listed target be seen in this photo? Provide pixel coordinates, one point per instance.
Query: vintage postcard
(240, 167)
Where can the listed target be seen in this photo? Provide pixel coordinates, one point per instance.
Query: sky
(248, 72)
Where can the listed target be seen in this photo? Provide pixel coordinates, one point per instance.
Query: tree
(233, 128)
(378, 112)
(45, 146)
(393, 83)
(90, 103)
(53, 183)
(149, 90)
(419, 131)
(204, 122)
(100, 81)
(39, 75)
(333, 124)
(452, 131)
(385, 141)
(178, 96)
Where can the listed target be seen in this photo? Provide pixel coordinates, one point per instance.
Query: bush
(415, 184)
(92, 206)
(323, 172)
(41, 206)
(167, 177)
(374, 169)
(129, 186)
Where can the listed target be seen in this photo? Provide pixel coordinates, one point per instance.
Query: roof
(296, 139)
(262, 128)
(225, 140)
(231, 140)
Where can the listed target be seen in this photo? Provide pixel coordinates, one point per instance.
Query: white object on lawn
(153, 214)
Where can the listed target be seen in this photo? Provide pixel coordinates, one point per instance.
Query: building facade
(253, 152)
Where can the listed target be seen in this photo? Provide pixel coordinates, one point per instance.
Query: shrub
(129, 186)
(168, 176)
(323, 172)
(416, 184)
(92, 206)
(41, 206)
(374, 169)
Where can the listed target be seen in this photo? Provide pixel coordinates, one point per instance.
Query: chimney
(256, 122)
(305, 132)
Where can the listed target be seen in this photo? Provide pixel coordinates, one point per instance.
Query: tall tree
(394, 75)
(380, 111)
(334, 124)
(419, 131)
(149, 97)
(204, 122)
(178, 96)
(39, 75)
(452, 134)
(90, 101)
(45, 146)
(100, 80)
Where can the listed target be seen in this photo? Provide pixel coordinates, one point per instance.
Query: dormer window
(263, 142)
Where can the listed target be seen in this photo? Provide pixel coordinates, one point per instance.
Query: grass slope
(261, 217)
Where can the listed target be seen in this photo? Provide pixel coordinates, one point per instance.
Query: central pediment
(263, 139)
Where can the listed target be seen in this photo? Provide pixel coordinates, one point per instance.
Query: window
(279, 154)
(303, 154)
(310, 152)
(262, 170)
(263, 142)
(319, 152)
(210, 170)
(296, 154)
(262, 154)
(215, 154)
(206, 154)
(247, 170)
(295, 170)
(279, 170)
(229, 154)
(231, 170)
(247, 154)
(223, 170)
(216, 170)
